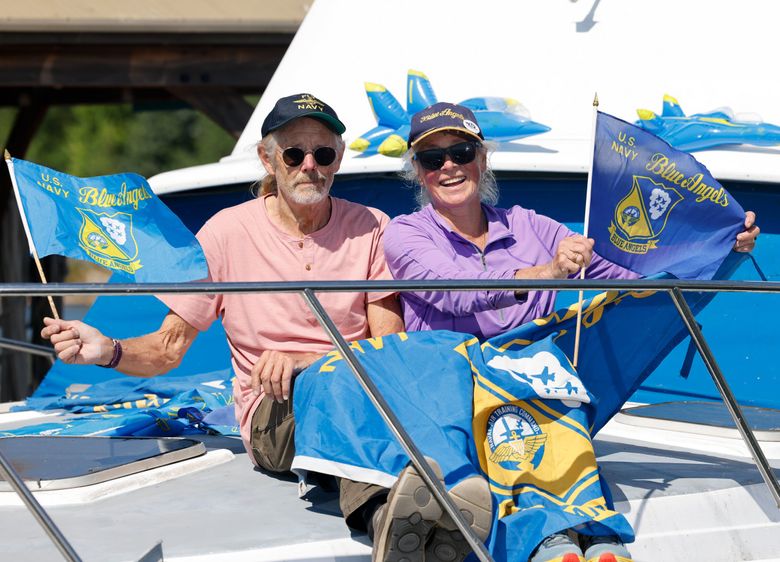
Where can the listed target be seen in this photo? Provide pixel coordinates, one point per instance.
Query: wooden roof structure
(144, 16)
(206, 54)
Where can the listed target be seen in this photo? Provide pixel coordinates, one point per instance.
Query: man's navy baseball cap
(301, 105)
(443, 116)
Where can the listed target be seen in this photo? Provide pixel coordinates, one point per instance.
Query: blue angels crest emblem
(514, 438)
(640, 217)
(108, 239)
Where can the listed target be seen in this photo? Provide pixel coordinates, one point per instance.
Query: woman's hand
(746, 240)
(573, 253)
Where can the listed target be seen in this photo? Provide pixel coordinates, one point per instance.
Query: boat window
(710, 418)
(59, 462)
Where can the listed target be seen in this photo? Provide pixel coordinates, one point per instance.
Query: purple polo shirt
(422, 246)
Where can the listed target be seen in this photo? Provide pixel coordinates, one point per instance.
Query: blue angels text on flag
(654, 208)
(511, 409)
(115, 221)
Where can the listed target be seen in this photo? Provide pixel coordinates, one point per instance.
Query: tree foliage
(96, 140)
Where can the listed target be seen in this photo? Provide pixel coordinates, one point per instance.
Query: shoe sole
(472, 497)
(447, 546)
(414, 513)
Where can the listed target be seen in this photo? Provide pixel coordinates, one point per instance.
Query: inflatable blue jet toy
(501, 119)
(706, 130)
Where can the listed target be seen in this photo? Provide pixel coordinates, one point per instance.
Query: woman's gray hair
(271, 142)
(488, 188)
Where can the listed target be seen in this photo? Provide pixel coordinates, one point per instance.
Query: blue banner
(114, 221)
(654, 208)
(429, 388)
(504, 409)
(156, 406)
(531, 419)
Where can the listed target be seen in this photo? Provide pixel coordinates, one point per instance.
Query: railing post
(31, 348)
(416, 456)
(728, 397)
(59, 540)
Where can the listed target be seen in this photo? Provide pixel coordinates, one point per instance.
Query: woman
(459, 234)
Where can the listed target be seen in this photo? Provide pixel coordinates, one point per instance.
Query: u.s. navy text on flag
(115, 221)
(655, 208)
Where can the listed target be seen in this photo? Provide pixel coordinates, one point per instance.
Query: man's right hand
(77, 343)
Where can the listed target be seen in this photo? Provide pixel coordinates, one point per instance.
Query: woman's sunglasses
(324, 155)
(434, 158)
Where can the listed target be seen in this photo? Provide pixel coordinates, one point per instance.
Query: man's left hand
(272, 373)
(746, 240)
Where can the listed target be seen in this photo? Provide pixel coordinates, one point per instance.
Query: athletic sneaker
(558, 547)
(604, 549)
(403, 526)
(473, 499)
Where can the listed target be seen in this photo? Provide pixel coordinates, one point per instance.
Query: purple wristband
(116, 358)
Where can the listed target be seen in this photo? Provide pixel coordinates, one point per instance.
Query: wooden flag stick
(33, 251)
(43, 280)
(585, 228)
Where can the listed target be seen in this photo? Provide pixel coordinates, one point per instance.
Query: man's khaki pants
(273, 431)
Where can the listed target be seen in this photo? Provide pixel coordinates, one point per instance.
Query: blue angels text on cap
(443, 116)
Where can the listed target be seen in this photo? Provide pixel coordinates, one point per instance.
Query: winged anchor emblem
(515, 439)
(518, 450)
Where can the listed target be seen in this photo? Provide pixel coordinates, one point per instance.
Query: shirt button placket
(308, 255)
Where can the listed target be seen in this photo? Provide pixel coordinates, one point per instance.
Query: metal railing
(31, 348)
(674, 288)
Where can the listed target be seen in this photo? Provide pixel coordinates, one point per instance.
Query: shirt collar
(497, 227)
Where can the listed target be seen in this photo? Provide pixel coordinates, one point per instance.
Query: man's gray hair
(271, 143)
(488, 188)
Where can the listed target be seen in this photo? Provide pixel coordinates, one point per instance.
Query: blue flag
(114, 221)
(531, 419)
(654, 208)
(511, 409)
(428, 384)
(159, 406)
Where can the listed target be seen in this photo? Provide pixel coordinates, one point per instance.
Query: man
(294, 231)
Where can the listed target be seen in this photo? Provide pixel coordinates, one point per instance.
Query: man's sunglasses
(434, 158)
(324, 155)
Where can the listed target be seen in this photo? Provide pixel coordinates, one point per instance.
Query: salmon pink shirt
(242, 244)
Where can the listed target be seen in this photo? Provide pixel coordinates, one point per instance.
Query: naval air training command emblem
(514, 438)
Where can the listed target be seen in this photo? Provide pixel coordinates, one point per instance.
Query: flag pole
(585, 225)
(33, 251)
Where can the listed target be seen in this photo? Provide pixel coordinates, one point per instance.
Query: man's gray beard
(308, 196)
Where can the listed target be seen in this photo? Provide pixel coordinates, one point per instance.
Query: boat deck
(684, 494)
